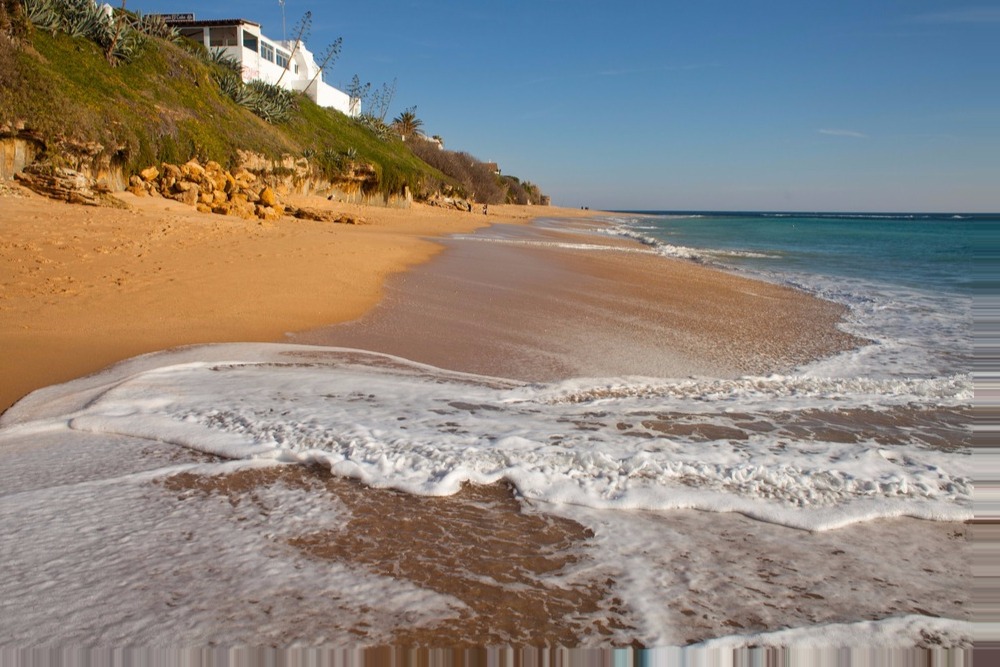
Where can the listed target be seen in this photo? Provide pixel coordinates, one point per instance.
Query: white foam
(124, 562)
(862, 637)
(80, 526)
(633, 231)
(914, 333)
(563, 245)
(774, 393)
(394, 424)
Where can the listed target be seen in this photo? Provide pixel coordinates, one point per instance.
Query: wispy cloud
(967, 15)
(854, 134)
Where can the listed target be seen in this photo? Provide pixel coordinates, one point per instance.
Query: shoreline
(362, 542)
(82, 288)
(546, 303)
(114, 284)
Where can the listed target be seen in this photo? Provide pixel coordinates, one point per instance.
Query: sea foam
(600, 443)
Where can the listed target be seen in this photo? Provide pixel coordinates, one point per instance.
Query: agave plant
(375, 125)
(232, 86)
(112, 31)
(153, 25)
(272, 103)
(224, 60)
(125, 45)
(84, 18)
(43, 14)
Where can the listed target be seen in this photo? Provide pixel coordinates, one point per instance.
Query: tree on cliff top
(407, 124)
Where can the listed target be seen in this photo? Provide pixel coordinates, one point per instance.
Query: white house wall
(325, 95)
(256, 66)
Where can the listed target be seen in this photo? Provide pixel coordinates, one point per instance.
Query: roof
(208, 24)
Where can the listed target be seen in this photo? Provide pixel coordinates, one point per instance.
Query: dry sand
(84, 287)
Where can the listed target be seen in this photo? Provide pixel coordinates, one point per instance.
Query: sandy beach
(162, 543)
(84, 287)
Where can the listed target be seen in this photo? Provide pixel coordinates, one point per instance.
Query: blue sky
(716, 104)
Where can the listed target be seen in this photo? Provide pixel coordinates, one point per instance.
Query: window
(225, 36)
(267, 51)
(281, 59)
(249, 41)
(194, 34)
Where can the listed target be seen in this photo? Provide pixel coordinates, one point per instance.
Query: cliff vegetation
(127, 95)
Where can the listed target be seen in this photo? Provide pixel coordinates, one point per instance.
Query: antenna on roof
(284, 36)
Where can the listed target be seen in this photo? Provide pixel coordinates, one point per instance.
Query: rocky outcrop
(305, 213)
(457, 203)
(20, 146)
(357, 181)
(103, 166)
(210, 188)
(65, 184)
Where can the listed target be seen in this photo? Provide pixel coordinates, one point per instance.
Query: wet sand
(527, 581)
(539, 304)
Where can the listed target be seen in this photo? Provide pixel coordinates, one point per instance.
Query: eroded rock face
(210, 188)
(21, 146)
(357, 181)
(17, 152)
(104, 166)
(65, 184)
(457, 203)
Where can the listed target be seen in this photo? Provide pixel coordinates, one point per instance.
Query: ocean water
(907, 279)
(812, 462)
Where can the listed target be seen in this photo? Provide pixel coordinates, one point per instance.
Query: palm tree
(407, 124)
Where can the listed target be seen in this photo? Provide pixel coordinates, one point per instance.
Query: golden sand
(84, 287)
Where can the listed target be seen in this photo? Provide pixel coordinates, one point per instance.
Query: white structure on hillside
(273, 61)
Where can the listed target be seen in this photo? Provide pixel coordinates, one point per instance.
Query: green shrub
(272, 103)
(113, 31)
(476, 178)
(169, 106)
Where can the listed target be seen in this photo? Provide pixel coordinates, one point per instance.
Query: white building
(276, 62)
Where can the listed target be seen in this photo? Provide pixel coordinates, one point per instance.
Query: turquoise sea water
(922, 251)
(908, 279)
